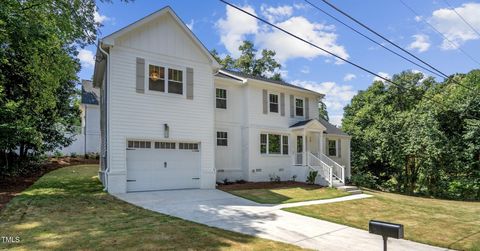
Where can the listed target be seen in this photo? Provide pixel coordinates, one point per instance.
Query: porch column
(304, 147)
(320, 144)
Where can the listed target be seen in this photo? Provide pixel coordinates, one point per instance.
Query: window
(285, 145)
(332, 147)
(187, 146)
(221, 95)
(273, 98)
(175, 81)
(299, 107)
(165, 145)
(222, 139)
(273, 144)
(263, 143)
(156, 78)
(139, 144)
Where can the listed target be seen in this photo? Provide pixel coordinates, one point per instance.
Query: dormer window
(273, 99)
(299, 107)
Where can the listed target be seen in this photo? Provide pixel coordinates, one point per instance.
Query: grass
(67, 210)
(289, 194)
(451, 224)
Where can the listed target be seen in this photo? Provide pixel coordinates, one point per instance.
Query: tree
(250, 63)
(38, 71)
(405, 142)
(322, 110)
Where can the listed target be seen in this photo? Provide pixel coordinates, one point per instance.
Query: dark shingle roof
(330, 129)
(278, 82)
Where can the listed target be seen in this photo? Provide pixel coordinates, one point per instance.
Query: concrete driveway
(223, 210)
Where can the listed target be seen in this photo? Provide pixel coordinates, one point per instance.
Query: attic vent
(220, 171)
(281, 170)
(258, 170)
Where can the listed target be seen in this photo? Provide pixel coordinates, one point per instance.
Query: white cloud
(274, 14)
(421, 43)
(382, 74)
(191, 24)
(99, 18)
(335, 119)
(234, 28)
(86, 58)
(349, 77)
(418, 18)
(288, 47)
(305, 70)
(452, 27)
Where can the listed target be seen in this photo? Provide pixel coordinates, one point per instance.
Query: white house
(88, 138)
(172, 119)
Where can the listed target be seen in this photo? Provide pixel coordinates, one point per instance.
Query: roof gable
(113, 38)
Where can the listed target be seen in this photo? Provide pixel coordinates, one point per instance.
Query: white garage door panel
(146, 169)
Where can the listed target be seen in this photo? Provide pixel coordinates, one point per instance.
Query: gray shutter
(282, 104)
(189, 83)
(292, 106)
(339, 142)
(307, 110)
(140, 85)
(265, 102)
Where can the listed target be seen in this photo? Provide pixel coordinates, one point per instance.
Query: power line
(441, 34)
(390, 42)
(322, 49)
(372, 40)
(461, 17)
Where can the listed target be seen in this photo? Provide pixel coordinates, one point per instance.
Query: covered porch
(309, 153)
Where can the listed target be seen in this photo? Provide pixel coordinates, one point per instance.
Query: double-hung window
(332, 147)
(299, 107)
(158, 76)
(222, 139)
(273, 101)
(273, 144)
(221, 98)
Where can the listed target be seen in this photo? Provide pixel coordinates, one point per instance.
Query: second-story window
(156, 78)
(299, 107)
(221, 98)
(222, 139)
(273, 100)
(175, 81)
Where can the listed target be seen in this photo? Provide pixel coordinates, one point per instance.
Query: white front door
(160, 169)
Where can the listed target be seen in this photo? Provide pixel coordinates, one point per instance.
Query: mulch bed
(264, 185)
(14, 186)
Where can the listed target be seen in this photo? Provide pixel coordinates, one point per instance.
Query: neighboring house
(171, 119)
(87, 141)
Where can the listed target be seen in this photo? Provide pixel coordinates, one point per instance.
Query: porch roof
(329, 128)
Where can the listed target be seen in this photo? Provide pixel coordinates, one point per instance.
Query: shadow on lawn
(67, 209)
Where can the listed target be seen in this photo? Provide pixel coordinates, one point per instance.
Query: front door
(299, 154)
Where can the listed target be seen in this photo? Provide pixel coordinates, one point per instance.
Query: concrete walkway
(223, 210)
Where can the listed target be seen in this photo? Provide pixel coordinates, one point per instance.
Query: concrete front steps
(351, 189)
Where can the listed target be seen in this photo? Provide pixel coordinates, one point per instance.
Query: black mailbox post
(385, 229)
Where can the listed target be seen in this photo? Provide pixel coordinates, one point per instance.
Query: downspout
(107, 79)
(85, 132)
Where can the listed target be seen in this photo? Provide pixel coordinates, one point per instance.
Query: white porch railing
(338, 170)
(321, 167)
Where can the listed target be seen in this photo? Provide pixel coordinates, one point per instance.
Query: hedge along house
(172, 119)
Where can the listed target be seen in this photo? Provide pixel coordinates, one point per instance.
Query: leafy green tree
(250, 63)
(322, 111)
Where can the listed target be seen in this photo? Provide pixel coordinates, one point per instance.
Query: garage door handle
(131, 180)
(165, 164)
(195, 178)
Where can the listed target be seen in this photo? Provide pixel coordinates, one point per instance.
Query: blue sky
(221, 28)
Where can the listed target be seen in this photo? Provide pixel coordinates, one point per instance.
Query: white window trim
(278, 102)
(226, 98)
(216, 138)
(166, 66)
(281, 145)
(336, 147)
(295, 107)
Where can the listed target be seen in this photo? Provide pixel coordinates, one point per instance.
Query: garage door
(154, 165)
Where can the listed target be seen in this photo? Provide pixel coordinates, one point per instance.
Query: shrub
(73, 154)
(312, 175)
(294, 177)
(57, 154)
(364, 179)
(274, 178)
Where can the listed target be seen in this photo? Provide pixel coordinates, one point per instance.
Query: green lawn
(451, 224)
(67, 210)
(289, 194)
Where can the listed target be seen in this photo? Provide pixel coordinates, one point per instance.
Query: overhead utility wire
(320, 48)
(390, 42)
(461, 17)
(372, 40)
(440, 33)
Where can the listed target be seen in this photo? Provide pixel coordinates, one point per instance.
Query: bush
(294, 177)
(58, 154)
(312, 175)
(73, 154)
(274, 178)
(364, 179)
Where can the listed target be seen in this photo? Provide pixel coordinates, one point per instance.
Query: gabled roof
(329, 128)
(110, 39)
(89, 93)
(240, 76)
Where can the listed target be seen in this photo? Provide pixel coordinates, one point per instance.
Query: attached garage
(155, 165)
